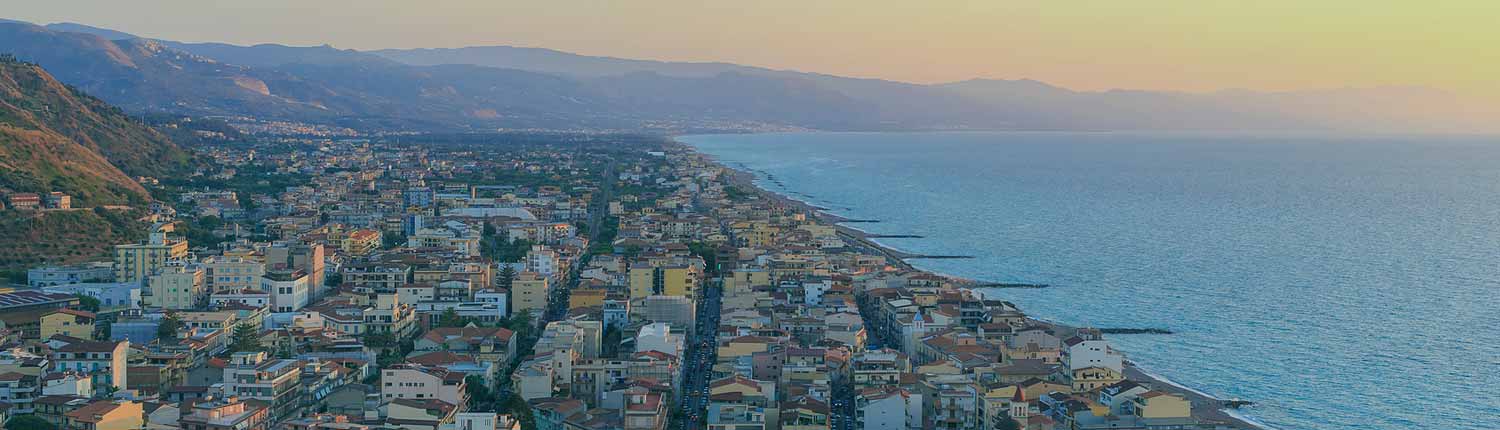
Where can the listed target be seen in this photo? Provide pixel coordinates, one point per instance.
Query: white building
(543, 260)
(288, 289)
(247, 296)
(410, 381)
(76, 274)
(658, 337)
(111, 295)
(812, 291)
(1091, 350)
(893, 409)
(496, 297)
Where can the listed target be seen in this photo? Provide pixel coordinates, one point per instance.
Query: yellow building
(360, 242)
(232, 273)
(529, 292)
(1157, 404)
(745, 387)
(68, 322)
(642, 281)
(676, 280)
(743, 281)
(681, 280)
(107, 415)
(587, 297)
(137, 261)
(1092, 378)
(744, 346)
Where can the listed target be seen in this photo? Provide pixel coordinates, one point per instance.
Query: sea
(1336, 281)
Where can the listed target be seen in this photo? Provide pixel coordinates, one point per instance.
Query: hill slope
(54, 138)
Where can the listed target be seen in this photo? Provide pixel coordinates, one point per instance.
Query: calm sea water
(1341, 282)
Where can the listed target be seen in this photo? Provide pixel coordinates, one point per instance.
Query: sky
(1186, 45)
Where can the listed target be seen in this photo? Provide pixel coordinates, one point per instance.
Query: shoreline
(1205, 407)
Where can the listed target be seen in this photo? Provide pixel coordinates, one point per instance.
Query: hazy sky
(1084, 44)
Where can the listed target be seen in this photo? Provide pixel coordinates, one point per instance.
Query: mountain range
(495, 87)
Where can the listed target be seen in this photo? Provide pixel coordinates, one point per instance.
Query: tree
(245, 338)
(520, 323)
(380, 340)
(507, 277)
(1006, 422)
(88, 303)
(28, 422)
(517, 407)
(449, 318)
(168, 328)
(392, 241)
(480, 394)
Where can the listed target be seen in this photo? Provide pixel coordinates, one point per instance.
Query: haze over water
(1341, 282)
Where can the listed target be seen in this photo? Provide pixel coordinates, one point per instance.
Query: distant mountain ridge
(488, 87)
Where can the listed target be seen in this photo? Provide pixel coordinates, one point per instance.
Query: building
(68, 322)
(421, 197)
(133, 263)
(58, 200)
(377, 277)
(111, 295)
(107, 415)
(679, 311)
(308, 258)
(736, 416)
(658, 337)
(24, 201)
(19, 390)
(176, 285)
(413, 414)
(1157, 404)
(247, 297)
(529, 293)
(454, 236)
(1089, 349)
(104, 362)
(360, 242)
(491, 344)
(22, 311)
(544, 261)
(416, 382)
(289, 288)
(228, 273)
(230, 413)
(669, 280)
(644, 410)
(75, 274)
(888, 409)
(276, 382)
(499, 298)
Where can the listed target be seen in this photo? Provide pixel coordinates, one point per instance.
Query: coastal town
(529, 281)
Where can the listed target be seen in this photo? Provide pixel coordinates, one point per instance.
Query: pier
(1008, 285)
(1118, 330)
